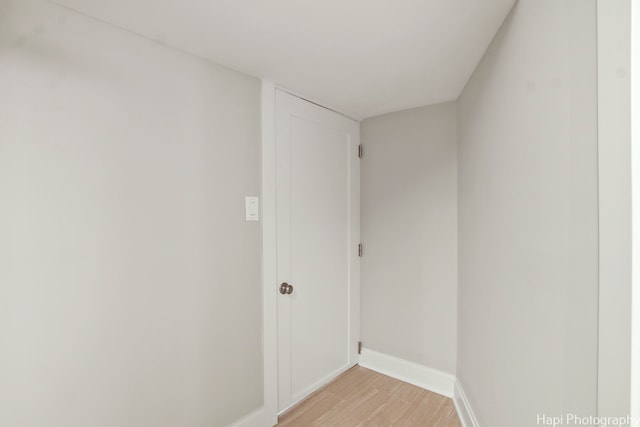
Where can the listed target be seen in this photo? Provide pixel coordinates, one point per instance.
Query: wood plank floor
(361, 397)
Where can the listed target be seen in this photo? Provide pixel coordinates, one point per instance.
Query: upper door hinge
(360, 249)
(360, 151)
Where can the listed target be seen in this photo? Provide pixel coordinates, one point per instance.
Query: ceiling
(360, 57)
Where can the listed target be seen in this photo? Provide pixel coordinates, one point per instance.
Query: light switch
(252, 207)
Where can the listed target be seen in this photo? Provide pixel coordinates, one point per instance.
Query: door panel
(319, 244)
(315, 199)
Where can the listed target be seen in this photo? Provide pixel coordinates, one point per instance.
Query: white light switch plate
(252, 208)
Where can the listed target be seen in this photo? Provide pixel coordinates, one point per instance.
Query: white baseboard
(465, 413)
(409, 372)
(258, 418)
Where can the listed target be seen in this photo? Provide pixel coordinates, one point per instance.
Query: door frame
(269, 253)
(269, 256)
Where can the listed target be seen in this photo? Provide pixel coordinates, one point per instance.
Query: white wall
(528, 225)
(614, 196)
(408, 228)
(635, 161)
(129, 281)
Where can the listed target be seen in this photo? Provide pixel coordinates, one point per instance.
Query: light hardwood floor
(361, 397)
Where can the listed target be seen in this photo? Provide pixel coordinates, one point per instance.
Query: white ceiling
(360, 57)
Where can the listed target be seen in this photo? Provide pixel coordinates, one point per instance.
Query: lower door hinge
(359, 347)
(360, 249)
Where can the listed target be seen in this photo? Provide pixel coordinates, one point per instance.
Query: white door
(318, 229)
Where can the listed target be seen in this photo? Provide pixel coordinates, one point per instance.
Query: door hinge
(360, 151)
(360, 249)
(359, 347)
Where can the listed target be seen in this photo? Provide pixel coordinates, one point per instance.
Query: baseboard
(465, 413)
(258, 418)
(409, 372)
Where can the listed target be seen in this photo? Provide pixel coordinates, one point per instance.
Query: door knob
(286, 289)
